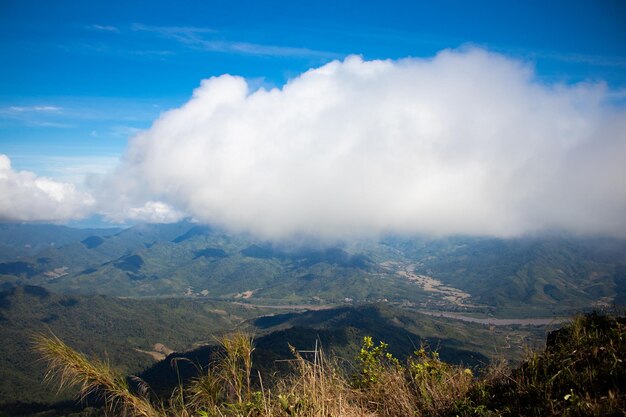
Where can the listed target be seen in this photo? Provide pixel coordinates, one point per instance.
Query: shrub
(582, 372)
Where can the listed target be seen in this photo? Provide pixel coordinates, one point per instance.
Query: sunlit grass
(581, 373)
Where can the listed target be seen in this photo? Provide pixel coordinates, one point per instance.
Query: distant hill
(29, 239)
(532, 276)
(520, 276)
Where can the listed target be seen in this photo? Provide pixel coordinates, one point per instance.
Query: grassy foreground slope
(581, 372)
(125, 331)
(340, 332)
(117, 328)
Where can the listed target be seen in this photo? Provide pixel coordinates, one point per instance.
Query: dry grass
(581, 373)
(314, 388)
(236, 366)
(93, 377)
(317, 389)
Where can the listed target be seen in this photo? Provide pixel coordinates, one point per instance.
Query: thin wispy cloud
(578, 58)
(439, 41)
(57, 125)
(110, 49)
(68, 169)
(196, 38)
(103, 28)
(36, 109)
(173, 31)
(36, 115)
(81, 110)
(125, 131)
(591, 60)
(150, 53)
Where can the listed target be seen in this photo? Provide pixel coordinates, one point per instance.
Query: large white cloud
(24, 196)
(467, 142)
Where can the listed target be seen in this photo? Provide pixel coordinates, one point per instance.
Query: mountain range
(530, 276)
(150, 295)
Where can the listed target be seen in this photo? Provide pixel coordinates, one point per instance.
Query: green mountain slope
(134, 333)
(30, 239)
(340, 332)
(125, 330)
(533, 276)
(522, 275)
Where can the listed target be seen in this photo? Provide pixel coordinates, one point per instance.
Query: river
(537, 321)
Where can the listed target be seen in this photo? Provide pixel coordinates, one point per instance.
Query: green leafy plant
(372, 361)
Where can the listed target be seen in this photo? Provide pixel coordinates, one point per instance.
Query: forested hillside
(532, 276)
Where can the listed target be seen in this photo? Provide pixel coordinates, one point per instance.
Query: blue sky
(80, 78)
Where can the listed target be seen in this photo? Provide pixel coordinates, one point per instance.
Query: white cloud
(36, 115)
(36, 109)
(194, 37)
(69, 169)
(466, 142)
(28, 197)
(124, 131)
(154, 212)
(103, 28)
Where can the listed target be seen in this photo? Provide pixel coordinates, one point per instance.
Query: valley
(146, 294)
(440, 295)
(516, 278)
